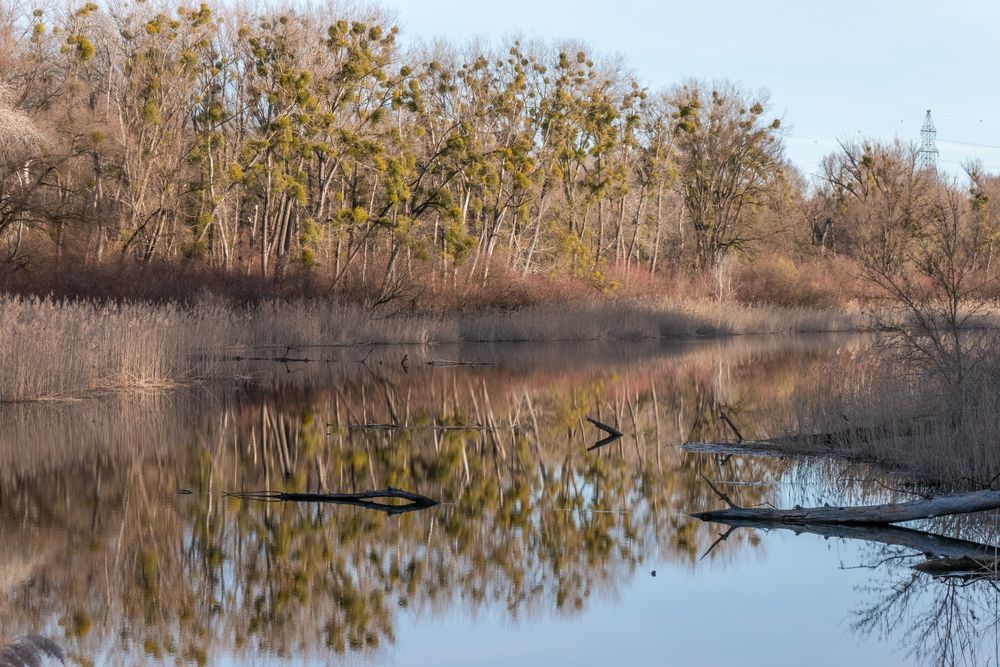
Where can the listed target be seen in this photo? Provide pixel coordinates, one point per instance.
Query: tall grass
(55, 349)
(909, 421)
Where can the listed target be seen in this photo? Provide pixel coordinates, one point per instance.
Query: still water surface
(119, 540)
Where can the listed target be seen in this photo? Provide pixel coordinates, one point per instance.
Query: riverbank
(65, 349)
(926, 429)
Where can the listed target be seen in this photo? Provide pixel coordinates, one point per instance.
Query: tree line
(265, 140)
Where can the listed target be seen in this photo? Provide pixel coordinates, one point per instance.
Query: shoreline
(71, 349)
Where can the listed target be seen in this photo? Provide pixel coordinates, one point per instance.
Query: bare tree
(19, 140)
(922, 251)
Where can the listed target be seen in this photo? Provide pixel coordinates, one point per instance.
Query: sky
(835, 70)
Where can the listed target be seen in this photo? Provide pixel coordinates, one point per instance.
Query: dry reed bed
(66, 349)
(908, 421)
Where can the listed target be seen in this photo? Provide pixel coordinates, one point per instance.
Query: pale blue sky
(833, 68)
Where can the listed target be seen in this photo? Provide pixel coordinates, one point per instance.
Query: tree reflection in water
(103, 551)
(937, 620)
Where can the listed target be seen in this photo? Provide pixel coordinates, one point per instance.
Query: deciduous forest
(160, 150)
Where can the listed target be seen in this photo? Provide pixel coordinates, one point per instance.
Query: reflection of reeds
(54, 350)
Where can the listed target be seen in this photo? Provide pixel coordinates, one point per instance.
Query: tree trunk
(926, 508)
(659, 228)
(896, 536)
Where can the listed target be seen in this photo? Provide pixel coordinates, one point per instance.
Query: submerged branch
(432, 427)
(365, 499)
(726, 499)
(613, 434)
(736, 431)
(972, 568)
(447, 363)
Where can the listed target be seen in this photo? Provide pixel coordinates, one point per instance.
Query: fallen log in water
(984, 567)
(925, 508)
(365, 499)
(429, 427)
(373, 427)
(845, 441)
(946, 556)
(929, 544)
(446, 363)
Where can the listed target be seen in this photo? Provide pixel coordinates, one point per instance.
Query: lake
(122, 544)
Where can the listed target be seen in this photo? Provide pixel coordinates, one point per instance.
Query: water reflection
(103, 552)
(939, 620)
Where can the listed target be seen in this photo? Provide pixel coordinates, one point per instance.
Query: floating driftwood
(373, 427)
(448, 362)
(288, 358)
(922, 542)
(430, 427)
(365, 499)
(284, 359)
(986, 566)
(826, 443)
(945, 556)
(925, 508)
(613, 434)
(888, 513)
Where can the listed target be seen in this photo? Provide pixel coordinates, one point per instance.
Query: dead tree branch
(365, 499)
(613, 434)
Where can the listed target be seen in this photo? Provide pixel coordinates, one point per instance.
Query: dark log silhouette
(364, 499)
(986, 566)
(736, 431)
(929, 544)
(946, 556)
(445, 363)
(925, 508)
(432, 427)
(832, 442)
(287, 358)
(374, 427)
(613, 434)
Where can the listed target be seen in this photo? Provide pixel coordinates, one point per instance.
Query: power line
(970, 119)
(969, 143)
(962, 164)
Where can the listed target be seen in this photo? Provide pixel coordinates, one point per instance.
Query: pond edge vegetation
(59, 349)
